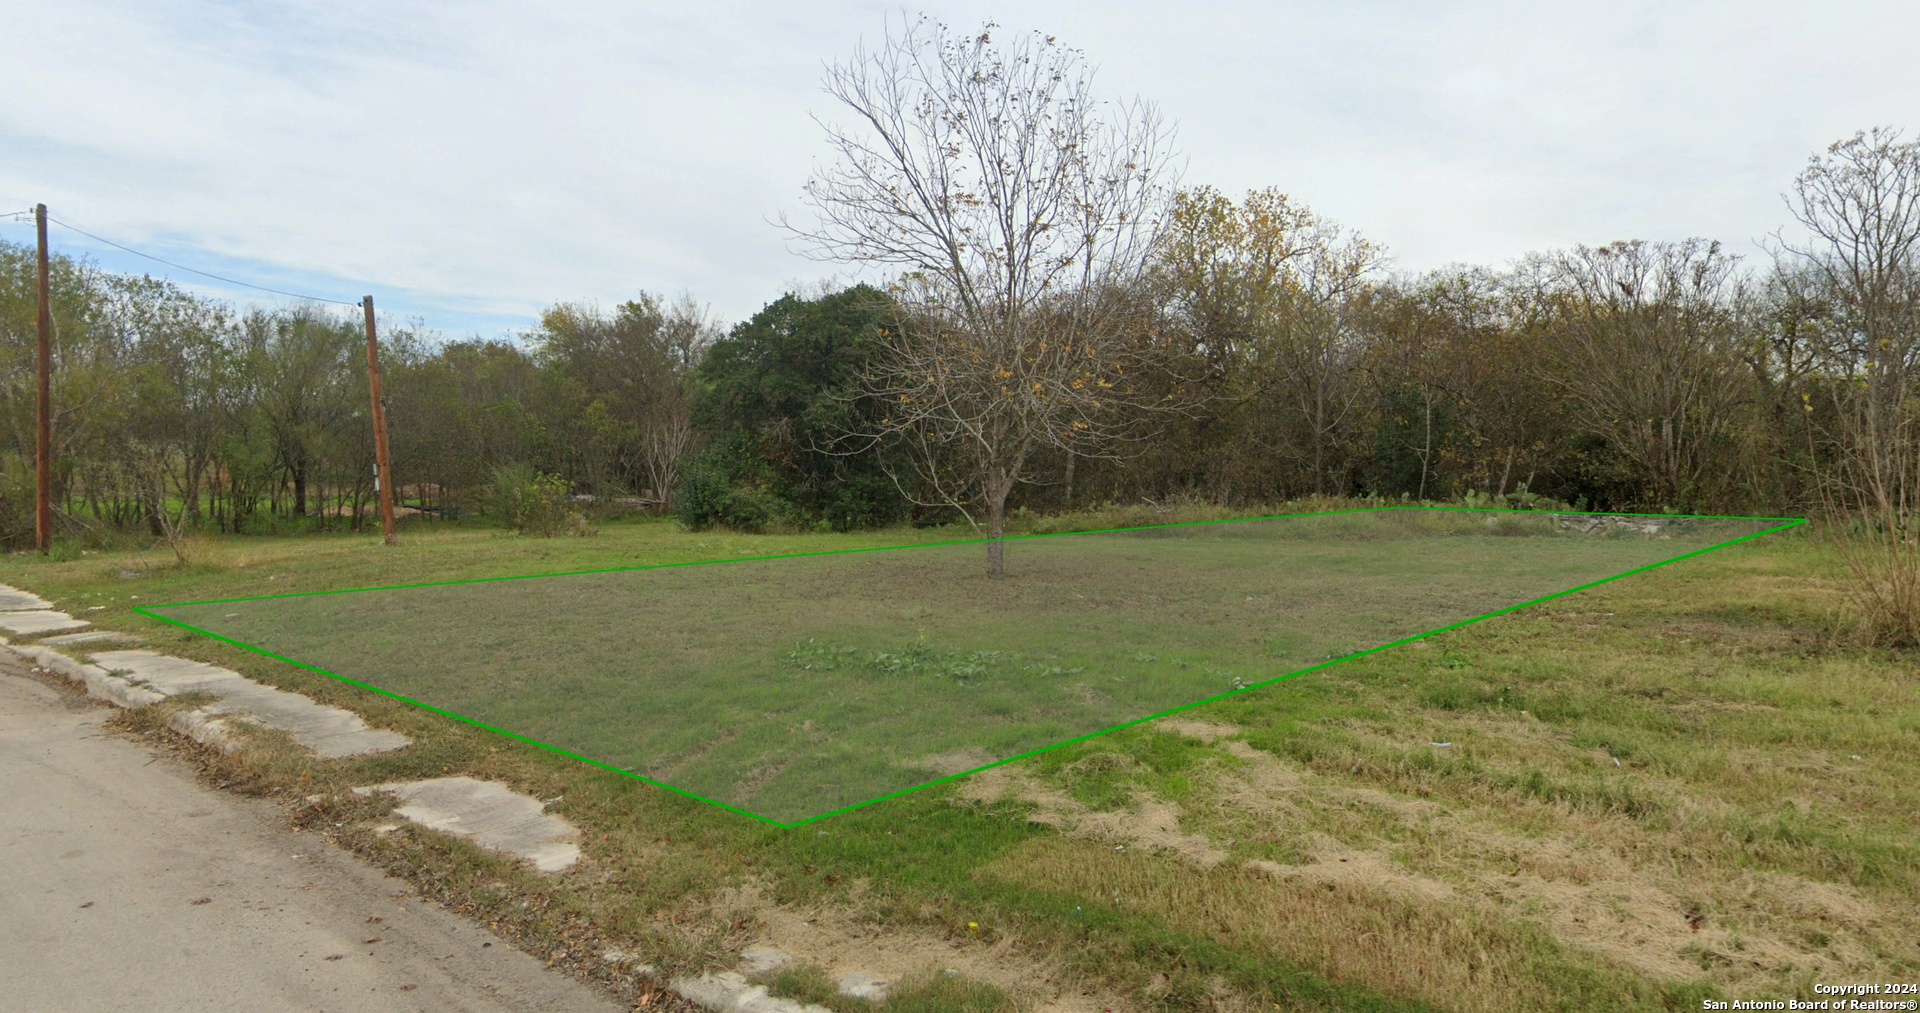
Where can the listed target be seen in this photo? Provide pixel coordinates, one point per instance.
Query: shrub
(713, 493)
(705, 496)
(534, 503)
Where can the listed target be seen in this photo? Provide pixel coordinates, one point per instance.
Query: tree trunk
(195, 469)
(997, 489)
(1426, 451)
(1319, 441)
(300, 492)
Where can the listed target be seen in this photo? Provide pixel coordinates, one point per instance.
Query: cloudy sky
(470, 162)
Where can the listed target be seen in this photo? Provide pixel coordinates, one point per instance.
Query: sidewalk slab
(328, 731)
(38, 621)
(12, 599)
(90, 637)
(491, 814)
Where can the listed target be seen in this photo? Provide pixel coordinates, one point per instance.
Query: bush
(864, 500)
(705, 495)
(534, 503)
(1519, 499)
(708, 496)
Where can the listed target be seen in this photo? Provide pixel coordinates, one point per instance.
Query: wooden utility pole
(383, 464)
(43, 444)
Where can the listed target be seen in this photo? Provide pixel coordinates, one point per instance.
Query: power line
(194, 270)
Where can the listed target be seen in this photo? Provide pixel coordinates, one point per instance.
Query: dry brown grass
(1705, 801)
(1882, 551)
(1365, 935)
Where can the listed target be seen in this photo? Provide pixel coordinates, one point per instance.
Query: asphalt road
(127, 885)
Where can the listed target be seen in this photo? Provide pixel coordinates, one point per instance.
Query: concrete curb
(329, 732)
(100, 683)
(205, 729)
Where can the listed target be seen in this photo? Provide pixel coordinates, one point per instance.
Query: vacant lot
(1676, 785)
(791, 688)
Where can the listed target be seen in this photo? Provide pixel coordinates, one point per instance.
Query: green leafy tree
(777, 397)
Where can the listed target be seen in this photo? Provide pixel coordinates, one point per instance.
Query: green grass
(793, 688)
(1766, 782)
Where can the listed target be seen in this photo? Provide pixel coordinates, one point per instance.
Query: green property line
(960, 541)
(147, 611)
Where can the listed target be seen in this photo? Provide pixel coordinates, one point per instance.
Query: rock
(761, 959)
(861, 985)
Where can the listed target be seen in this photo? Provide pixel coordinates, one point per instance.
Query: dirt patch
(1634, 923)
(1086, 694)
(1338, 865)
(1150, 823)
(1264, 776)
(1013, 783)
(1203, 731)
(957, 761)
(1741, 938)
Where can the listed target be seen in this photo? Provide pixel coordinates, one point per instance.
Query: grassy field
(792, 688)
(1680, 785)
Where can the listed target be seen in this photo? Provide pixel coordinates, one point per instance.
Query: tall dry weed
(1872, 504)
(1881, 548)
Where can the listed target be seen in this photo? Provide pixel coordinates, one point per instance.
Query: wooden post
(43, 444)
(383, 464)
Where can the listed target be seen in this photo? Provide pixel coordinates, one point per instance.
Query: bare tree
(1020, 210)
(1860, 205)
(1315, 344)
(665, 448)
(1643, 340)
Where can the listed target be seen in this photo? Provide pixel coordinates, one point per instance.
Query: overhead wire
(195, 270)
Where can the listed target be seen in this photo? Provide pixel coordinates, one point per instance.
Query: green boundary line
(1790, 522)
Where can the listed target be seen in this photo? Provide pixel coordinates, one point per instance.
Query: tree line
(1060, 327)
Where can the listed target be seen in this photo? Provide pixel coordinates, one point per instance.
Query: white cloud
(475, 161)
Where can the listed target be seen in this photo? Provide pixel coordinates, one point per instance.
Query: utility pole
(383, 464)
(43, 445)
